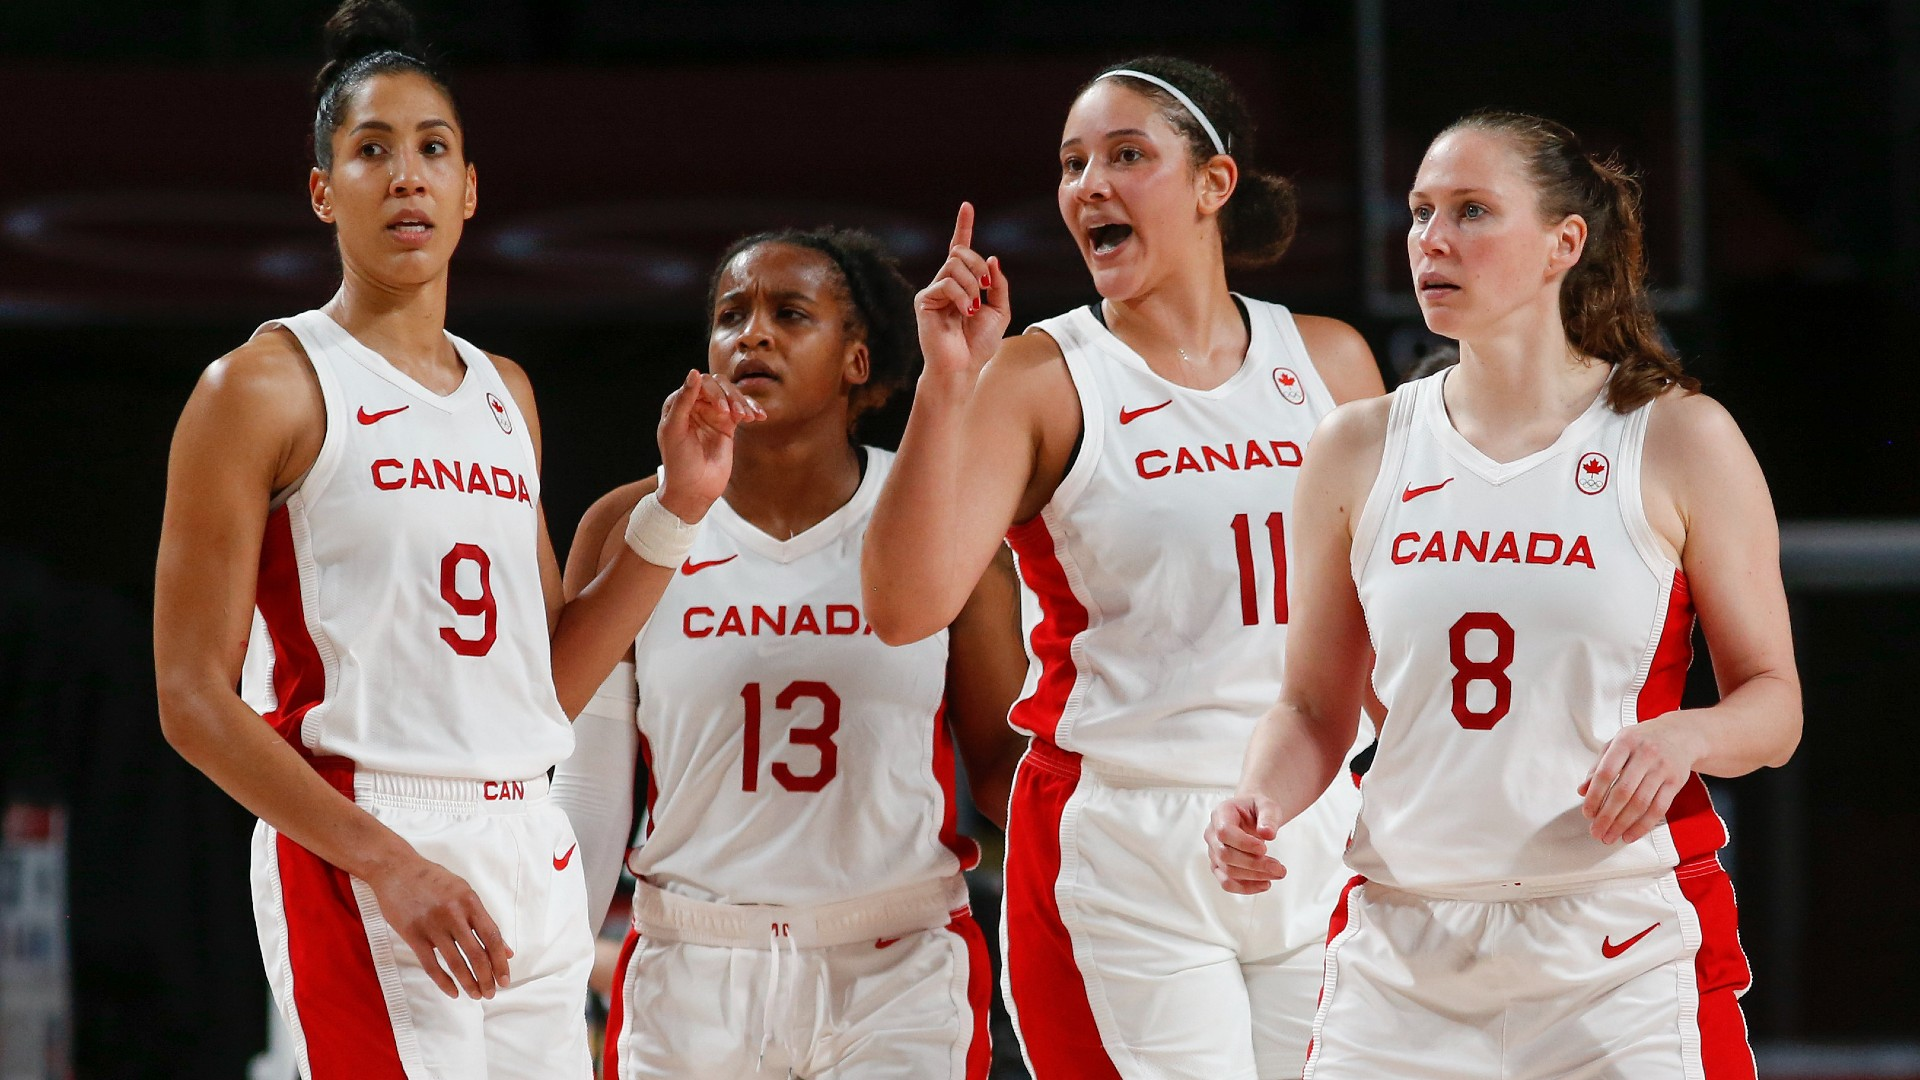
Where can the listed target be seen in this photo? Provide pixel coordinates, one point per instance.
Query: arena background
(153, 211)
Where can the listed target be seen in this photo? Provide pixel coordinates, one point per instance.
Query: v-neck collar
(1499, 472)
(381, 366)
(809, 540)
(1258, 333)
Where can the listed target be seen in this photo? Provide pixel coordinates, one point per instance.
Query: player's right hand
(1237, 839)
(439, 915)
(964, 313)
(696, 442)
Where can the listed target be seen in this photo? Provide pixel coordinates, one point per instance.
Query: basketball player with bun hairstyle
(1140, 456)
(369, 484)
(799, 907)
(1526, 540)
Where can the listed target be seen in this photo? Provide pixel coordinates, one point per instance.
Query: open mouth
(1435, 285)
(1107, 237)
(411, 230)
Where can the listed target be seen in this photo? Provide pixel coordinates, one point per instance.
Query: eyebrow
(1117, 133)
(790, 294)
(1416, 193)
(382, 125)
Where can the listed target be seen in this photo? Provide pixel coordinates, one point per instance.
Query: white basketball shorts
(358, 1002)
(1123, 956)
(1632, 978)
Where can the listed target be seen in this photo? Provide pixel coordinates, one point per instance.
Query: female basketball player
(1140, 454)
(371, 485)
(1527, 538)
(800, 909)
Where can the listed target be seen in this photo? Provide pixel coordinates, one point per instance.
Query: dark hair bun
(361, 28)
(1257, 225)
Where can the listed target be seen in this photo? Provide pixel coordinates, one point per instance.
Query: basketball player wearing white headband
(1140, 456)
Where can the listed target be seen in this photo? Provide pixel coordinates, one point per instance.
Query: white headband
(1218, 146)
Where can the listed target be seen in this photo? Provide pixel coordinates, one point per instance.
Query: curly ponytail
(365, 38)
(1603, 300)
(1258, 221)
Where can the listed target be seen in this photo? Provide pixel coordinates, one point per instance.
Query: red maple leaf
(1592, 467)
(1285, 379)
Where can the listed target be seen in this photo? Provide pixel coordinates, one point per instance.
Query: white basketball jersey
(400, 620)
(793, 757)
(1157, 614)
(1523, 614)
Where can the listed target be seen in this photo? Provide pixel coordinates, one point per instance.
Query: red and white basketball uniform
(800, 906)
(1523, 614)
(401, 646)
(1157, 623)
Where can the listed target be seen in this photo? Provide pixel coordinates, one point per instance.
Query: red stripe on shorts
(1050, 1003)
(979, 994)
(1336, 925)
(617, 1011)
(336, 991)
(1062, 618)
(1720, 971)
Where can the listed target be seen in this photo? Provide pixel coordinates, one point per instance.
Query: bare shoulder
(1342, 357)
(1358, 428)
(599, 526)
(1684, 424)
(512, 374)
(1029, 355)
(264, 371)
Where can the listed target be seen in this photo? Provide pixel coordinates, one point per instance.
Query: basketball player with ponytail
(1140, 455)
(1526, 541)
(369, 485)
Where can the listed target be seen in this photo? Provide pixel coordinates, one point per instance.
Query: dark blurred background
(153, 212)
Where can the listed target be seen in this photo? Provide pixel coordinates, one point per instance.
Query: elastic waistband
(1529, 890)
(1045, 755)
(441, 793)
(926, 906)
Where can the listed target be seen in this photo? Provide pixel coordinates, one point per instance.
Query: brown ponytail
(1603, 300)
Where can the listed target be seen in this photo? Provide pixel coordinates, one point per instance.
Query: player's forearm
(910, 568)
(598, 626)
(219, 735)
(1293, 756)
(1756, 725)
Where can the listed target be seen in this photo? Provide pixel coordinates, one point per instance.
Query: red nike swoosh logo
(690, 567)
(1609, 950)
(366, 417)
(560, 861)
(1128, 416)
(884, 942)
(1413, 493)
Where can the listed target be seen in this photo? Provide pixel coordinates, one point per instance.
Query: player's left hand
(1633, 784)
(696, 442)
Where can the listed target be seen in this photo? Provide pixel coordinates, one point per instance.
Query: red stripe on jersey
(979, 994)
(962, 847)
(336, 990)
(299, 678)
(1062, 618)
(1696, 830)
(1049, 993)
(1720, 971)
(653, 782)
(617, 1013)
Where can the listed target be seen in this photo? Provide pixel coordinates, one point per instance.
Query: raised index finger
(963, 227)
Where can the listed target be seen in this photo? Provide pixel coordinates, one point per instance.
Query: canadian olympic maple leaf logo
(1289, 386)
(1591, 474)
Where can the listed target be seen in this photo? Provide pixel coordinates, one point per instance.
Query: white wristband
(657, 535)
